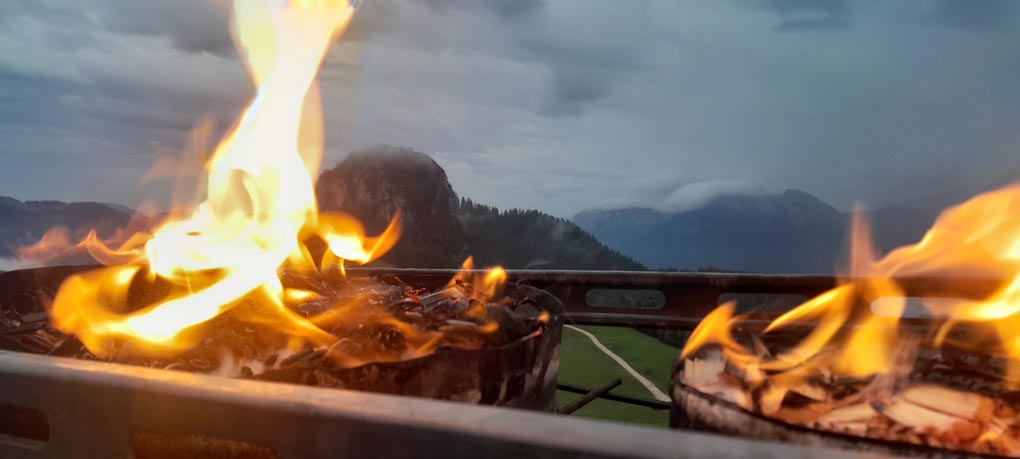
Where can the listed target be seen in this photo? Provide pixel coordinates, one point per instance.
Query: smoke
(11, 264)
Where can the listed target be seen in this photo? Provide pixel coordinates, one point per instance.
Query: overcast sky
(559, 105)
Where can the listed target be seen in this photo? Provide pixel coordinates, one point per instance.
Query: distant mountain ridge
(441, 229)
(530, 239)
(24, 222)
(789, 232)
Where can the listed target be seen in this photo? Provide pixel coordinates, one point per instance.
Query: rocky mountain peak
(376, 183)
(440, 230)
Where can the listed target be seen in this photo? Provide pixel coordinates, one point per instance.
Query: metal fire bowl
(693, 409)
(521, 374)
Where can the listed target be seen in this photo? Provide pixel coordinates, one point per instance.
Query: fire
(854, 330)
(226, 254)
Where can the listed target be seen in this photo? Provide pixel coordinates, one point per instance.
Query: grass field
(582, 364)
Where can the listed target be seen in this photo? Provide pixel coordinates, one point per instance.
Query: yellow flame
(714, 329)
(979, 238)
(259, 205)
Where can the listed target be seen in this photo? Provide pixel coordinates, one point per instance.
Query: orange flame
(258, 211)
(854, 328)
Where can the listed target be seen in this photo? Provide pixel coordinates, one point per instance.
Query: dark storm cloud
(574, 86)
(558, 105)
(70, 25)
(813, 24)
(795, 7)
(589, 53)
(135, 113)
(502, 8)
(90, 90)
(58, 143)
(978, 15)
(30, 102)
(807, 15)
(515, 8)
(588, 48)
(114, 114)
(14, 8)
(190, 25)
(195, 26)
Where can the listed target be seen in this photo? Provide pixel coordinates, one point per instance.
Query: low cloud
(696, 195)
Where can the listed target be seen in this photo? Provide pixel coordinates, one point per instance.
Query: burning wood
(905, 404)
(708, 375)
(921, 413)
(965, 405)
(860, 412)
(434, 343)
(847, 362)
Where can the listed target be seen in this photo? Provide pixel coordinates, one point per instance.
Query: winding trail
(652, 388)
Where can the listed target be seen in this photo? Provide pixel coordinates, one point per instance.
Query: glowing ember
(226, 254)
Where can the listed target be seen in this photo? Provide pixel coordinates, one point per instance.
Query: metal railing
(93, 409)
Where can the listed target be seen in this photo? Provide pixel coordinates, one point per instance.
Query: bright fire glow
(225, 253)
(844, 337)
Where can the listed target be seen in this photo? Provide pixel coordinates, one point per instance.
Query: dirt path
(652, 388)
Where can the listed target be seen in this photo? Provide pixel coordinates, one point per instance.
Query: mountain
(789, 232)
(531, 239)
(24, 222)
(440, 229)
(377, 183)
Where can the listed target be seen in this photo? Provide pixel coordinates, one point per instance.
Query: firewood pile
(938, 398)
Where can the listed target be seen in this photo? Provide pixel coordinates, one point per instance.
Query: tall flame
(854, 329)
(259, 206)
